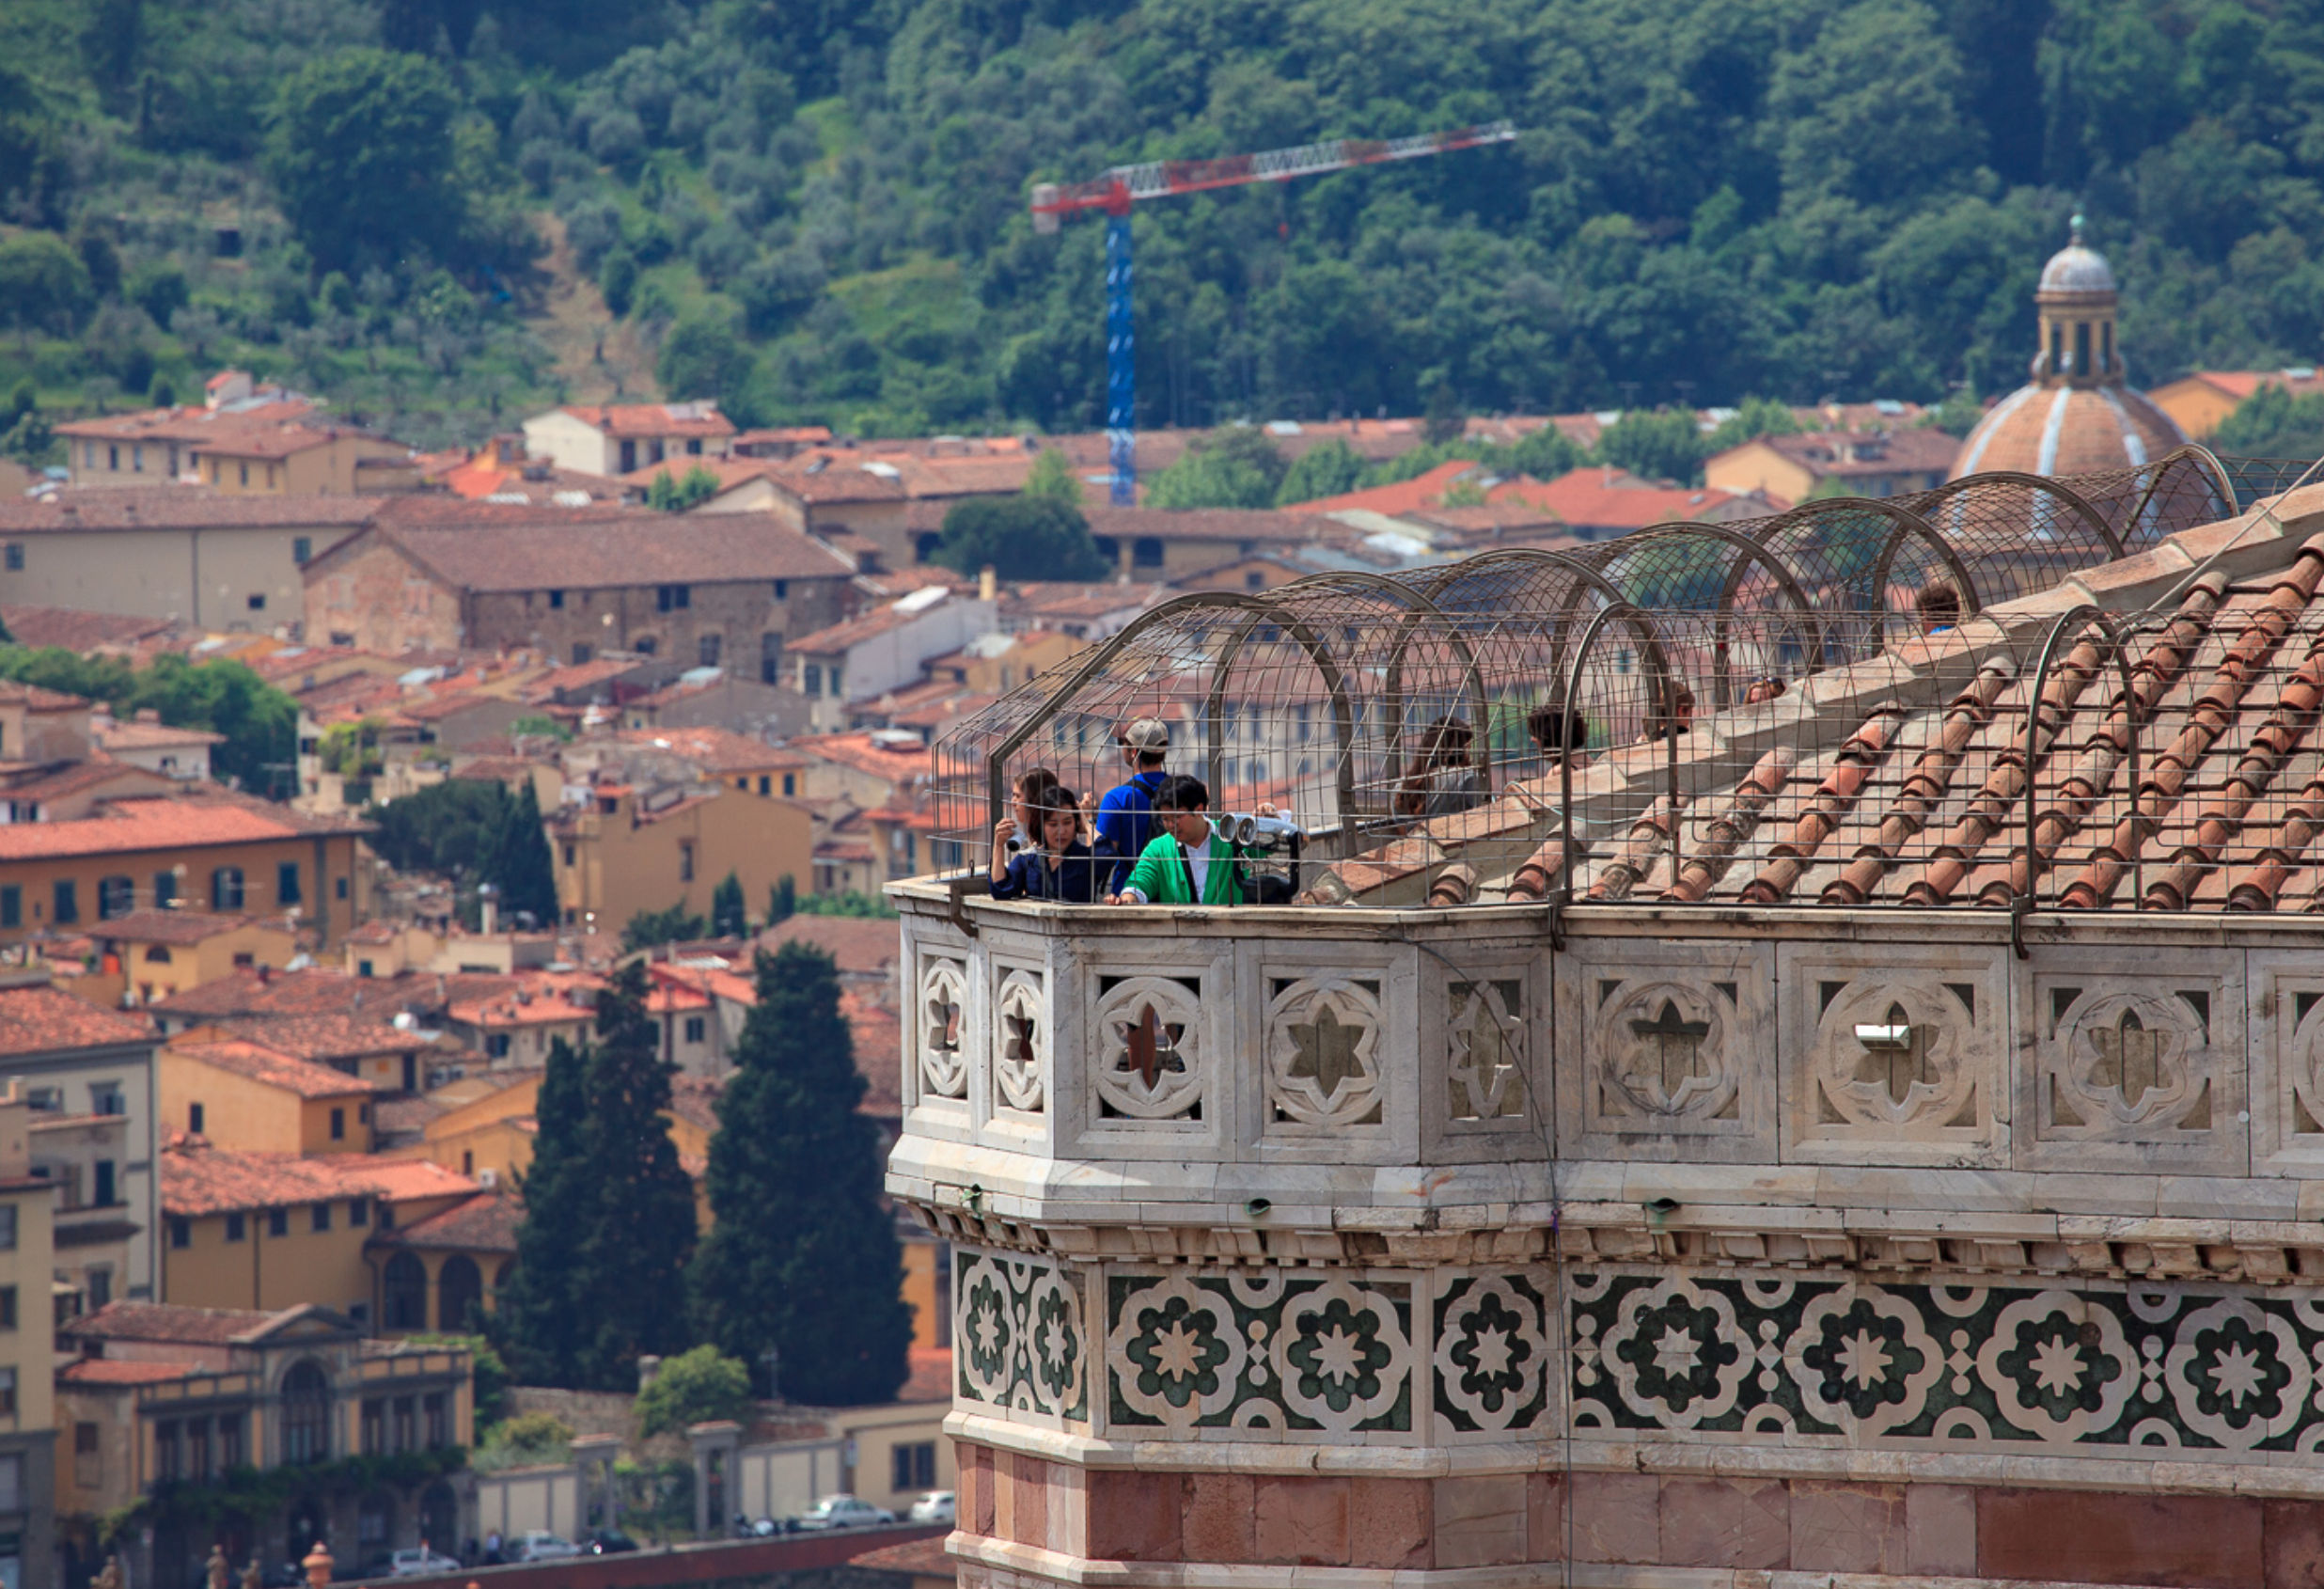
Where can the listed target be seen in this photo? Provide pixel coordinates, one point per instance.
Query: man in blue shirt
(1125, 817)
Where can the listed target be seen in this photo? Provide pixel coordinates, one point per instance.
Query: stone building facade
(720, 592)
(1886, 1139)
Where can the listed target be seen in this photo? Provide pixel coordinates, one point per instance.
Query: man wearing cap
(1125, 816)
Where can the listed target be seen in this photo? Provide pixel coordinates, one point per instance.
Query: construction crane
(1124, 185)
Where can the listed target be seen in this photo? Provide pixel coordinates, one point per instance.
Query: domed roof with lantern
(2078, 413)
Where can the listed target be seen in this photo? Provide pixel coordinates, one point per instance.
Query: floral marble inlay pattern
(1018, 1341)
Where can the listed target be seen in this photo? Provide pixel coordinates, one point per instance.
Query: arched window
(226, 889)
(305, 1414)
(405, 1305)
(115, 897)
(157, 954)
(460, 1286)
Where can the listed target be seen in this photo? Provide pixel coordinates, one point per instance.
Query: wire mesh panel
(1531, 708)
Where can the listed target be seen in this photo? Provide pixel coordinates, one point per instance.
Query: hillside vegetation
(817, 213)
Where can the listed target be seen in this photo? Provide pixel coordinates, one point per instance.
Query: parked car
(539, 1545)
(419, 1562)
(936, 1506)
(844, 1511)
(610, 1542)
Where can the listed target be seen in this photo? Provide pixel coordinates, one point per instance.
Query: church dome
(2066, 430)
(2079, 413)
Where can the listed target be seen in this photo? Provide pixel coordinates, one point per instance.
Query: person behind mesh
(1444, 783)
(1054, 864)
(1123, 822)
(1188, 862)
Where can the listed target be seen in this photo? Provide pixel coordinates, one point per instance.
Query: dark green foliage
(517, 861)
(1754, 417)
(676, 497)
(1236, 467)
(2273, 423)
(1022, 537)
(259, 722)
(617, 278)
(650, 929)
(608, 1211)
(698, 1386)
(448, 828)
(705, 357)
(1665, 443)
(1331, 469)
(800, 1239)
(1445, 420)
(727, 910)
(44, 285)
(782, 900)
(360, 148)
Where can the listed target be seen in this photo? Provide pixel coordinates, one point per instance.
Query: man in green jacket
(1186, 864)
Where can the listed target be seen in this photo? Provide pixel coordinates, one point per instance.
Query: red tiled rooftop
(109, 1371)
(42, 1018)
(483, 1223)
(167, 1322)
(129, 827)
(259, 1062)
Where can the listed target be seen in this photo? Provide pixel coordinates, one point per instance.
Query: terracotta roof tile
(860, 945)
(198, 1179)
(614, 549)
(483, 1223)
(261, 1063)
(166, 1322)
(129, 827)
(110, 1371)
(78, 631)
(42, 1018)
(655, 419)
(177, 507)
(317, 1037)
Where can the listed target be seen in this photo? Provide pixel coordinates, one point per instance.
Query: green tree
(848, 902)
(1021, 537)
(1445, 420)
(1753, 417)
(360, 148)
(705, 357)
(799, 1239)
(698, 1385)
(782, 900)
(650, 929)
(2273, 423)
(642, 1230)
(1333, 468)
(675, 496)
(1236, 467)
(1666, 443)
(259, 722)
(1052, 477)
(617, 278)
(43, 284)
(726, 910)
(538, 1317)
(448, 829)
(518, 863)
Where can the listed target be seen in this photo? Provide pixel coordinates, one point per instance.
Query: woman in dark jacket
(1062, 868)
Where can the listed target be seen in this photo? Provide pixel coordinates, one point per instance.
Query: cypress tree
(537, 1322)
(802, 1256)
(726, 910)
(635, 1249)
(517, 861)
(608, 1211)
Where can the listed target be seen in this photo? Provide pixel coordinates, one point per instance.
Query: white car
(419, 1562)
(539, 1545)
(934, 1507)
(844, 1511)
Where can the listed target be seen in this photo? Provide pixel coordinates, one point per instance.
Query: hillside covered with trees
(817, 213)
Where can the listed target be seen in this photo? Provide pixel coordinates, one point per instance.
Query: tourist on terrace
(1939, 606)
(1058, 866)
(1560, 735)
(1669, 725)
(1124, 820)
(1764, 689)
(1445, 783)
(1188, 862)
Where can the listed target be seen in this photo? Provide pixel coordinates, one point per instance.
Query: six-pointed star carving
(1327, 1052)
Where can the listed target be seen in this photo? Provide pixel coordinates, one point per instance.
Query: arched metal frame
(1491, 635)
(2073, 621)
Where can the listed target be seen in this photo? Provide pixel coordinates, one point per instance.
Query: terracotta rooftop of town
(198, 1179)
(860, 945)
(321, 1036)
(271, 1066)
(169, 926)
(177, 507)
(615, 551)
(138, 733)
(41, 1019)
(128, 826)
(166, 1322)
(717, 750)
(75, 630)
(646, 420)
(485, 1223)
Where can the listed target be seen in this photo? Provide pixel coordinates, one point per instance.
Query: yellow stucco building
(245, 1097)
(627, 850)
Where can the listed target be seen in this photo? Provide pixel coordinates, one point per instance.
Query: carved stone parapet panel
(941, 1026)
(1022, 1041)
(1895, 1055)
(1673, 1051)
(1019, 1344)
(2097, 1368)
(2135, 1070)
(1148, 1053)
(1325, 1037)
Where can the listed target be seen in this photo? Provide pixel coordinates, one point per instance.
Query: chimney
(988, 585)
(649, 1370)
